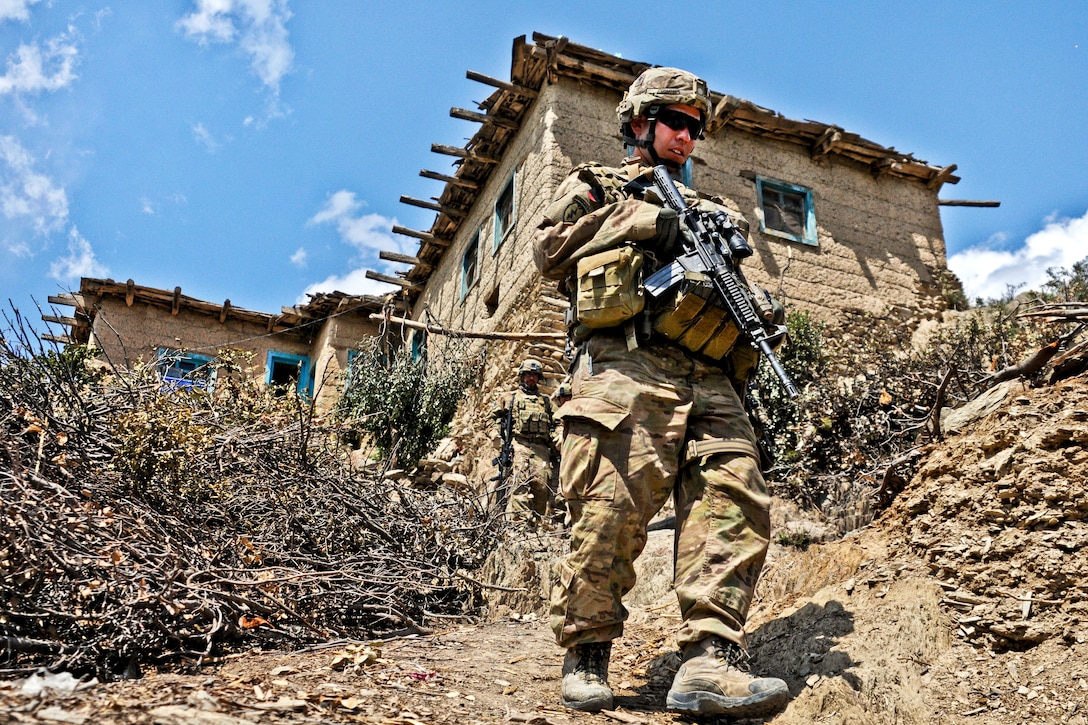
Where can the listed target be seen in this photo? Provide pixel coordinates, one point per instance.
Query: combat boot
(713, 680)
(585, 677)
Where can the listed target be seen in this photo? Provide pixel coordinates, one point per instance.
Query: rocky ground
(966, 601)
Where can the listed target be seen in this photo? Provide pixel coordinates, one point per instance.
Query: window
(188, 370)
(285, 370)
(470, 266)
(353, 355)
(419, 344)
(505, 214)
(491, 302)
(787, 211)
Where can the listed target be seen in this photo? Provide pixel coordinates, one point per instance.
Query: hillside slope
(964, 602)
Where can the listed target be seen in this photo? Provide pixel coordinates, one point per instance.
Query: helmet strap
(647, 143)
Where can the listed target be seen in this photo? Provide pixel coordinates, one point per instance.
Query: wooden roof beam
(883, 166)
(462, 153)
(433, 206)
(502, 85)
(223, 311)
(723, 113)
(395, 257)
(405, 231)
(942, 177)
(967, 202)
(454, 180)
(69, 321)
(567, 65)
(69, 299)
(827, 142)
(378, 277)
(466, 115)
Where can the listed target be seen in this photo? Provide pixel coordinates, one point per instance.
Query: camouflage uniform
(532, 484)
(644, 424)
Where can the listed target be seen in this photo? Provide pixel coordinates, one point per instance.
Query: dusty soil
(965, 602)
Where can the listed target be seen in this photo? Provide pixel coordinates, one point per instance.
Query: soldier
(654, 414)
(531, 485)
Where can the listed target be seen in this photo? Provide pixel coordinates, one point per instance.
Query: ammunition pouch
(609, 289)
(532, 417)
(693, 316)
(533, 424)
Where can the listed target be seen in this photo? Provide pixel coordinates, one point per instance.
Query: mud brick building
(843, 227)
(307, 346)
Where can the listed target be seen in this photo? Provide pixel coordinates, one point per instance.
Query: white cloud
(204, 137)
(18, 248)
(299, 258)
(354, 282)
(31, 204)
(80, 261)
(33, 68)
(988, 273)
(368, 234)
(258, 26)
(27, 197)
(16, 9)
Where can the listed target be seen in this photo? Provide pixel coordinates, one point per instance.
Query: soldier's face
(673, 146)
(530, 380)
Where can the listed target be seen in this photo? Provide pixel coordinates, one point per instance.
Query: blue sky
(257, 149)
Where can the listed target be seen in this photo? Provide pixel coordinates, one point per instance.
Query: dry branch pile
(143, 526)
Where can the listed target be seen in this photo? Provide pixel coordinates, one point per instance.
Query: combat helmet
(563, 391)
(531, 366)
(654, 89)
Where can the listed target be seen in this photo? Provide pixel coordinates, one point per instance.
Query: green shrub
(404, 402)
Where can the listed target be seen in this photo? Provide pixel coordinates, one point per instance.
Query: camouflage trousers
(532, 485)
(644, 425)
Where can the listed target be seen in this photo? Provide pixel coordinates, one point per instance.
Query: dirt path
(966, 602)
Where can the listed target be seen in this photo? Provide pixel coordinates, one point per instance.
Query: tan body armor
(532, 415)
(608, 288)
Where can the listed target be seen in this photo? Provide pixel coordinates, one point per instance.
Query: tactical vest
(609, 290)
(532, 415)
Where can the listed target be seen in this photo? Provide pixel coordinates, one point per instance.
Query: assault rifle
(505, 459)
(716, 251)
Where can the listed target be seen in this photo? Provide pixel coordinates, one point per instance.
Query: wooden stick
(434, 329)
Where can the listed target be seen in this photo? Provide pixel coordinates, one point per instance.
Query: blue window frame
(505, 214)
(353, 355)
(186, 370)
(419, 342)
(284, 369)
(787, 211)
(470, 266)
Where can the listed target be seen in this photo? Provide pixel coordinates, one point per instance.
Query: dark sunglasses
(678, 121)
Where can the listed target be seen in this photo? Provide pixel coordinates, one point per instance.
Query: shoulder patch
(578, 207)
